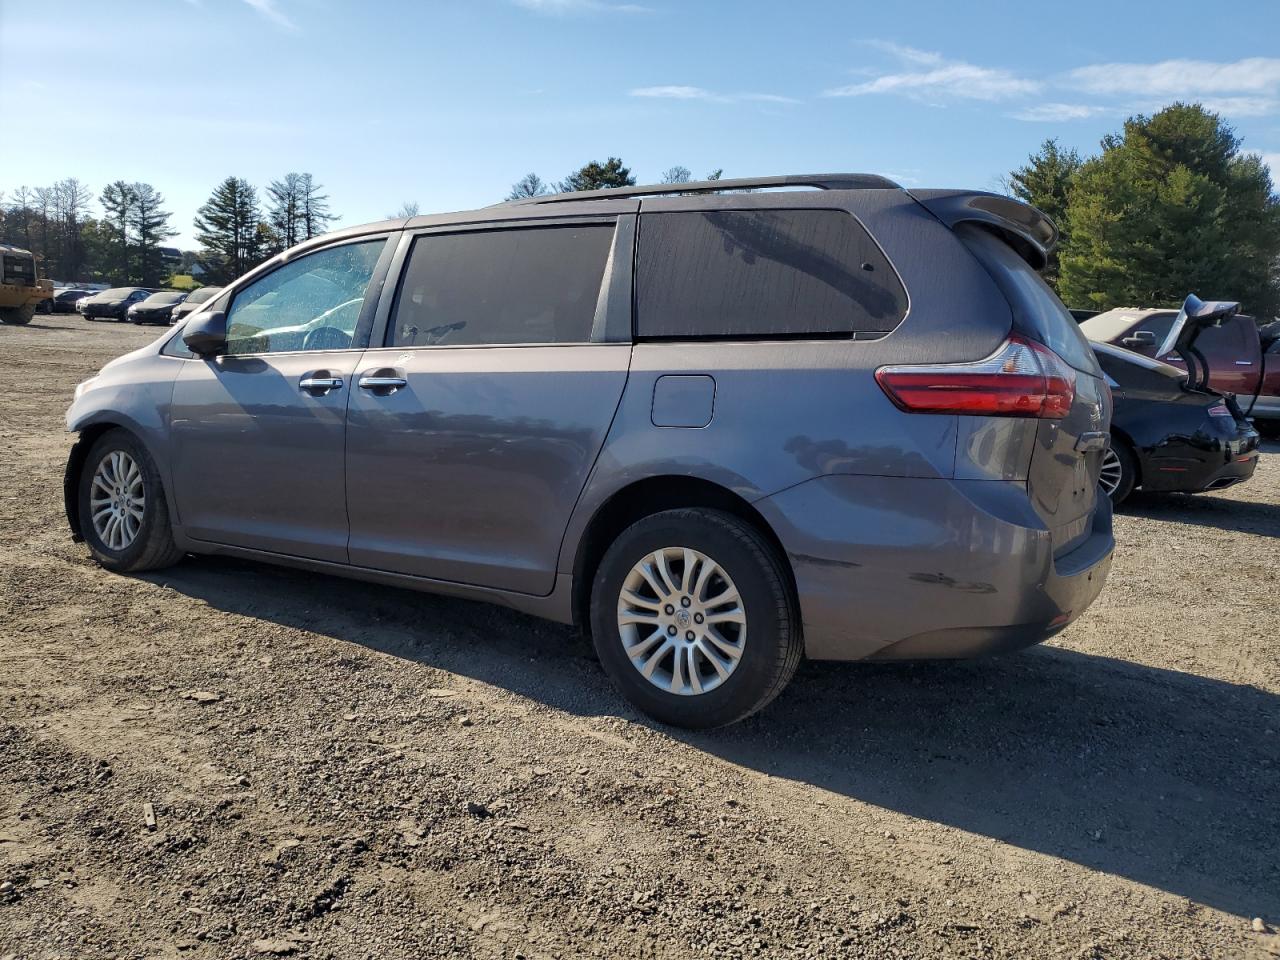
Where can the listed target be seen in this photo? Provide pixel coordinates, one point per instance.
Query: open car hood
(1195, 316)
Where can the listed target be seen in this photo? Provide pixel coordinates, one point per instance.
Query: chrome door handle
(383, 383)
(1244, 363)
(320, 383)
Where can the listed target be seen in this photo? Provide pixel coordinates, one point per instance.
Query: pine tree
(227, 228)
(284, 212)
(117, 204)
(314, 207)
(598, 176)
(1172, 206)
(150, 224)
(1044, 181)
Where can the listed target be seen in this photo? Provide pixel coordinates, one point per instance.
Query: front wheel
(1119, 474)
(124, 518)
(18, 316)
(692, 618)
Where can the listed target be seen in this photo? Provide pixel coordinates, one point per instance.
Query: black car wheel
(671, 604)
(1119, 473)
(124, 518)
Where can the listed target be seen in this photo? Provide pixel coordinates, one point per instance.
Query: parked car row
(140, 305)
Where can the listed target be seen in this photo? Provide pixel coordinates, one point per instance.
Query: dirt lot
(379, 773)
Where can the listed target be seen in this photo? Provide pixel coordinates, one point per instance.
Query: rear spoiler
(1029, 231)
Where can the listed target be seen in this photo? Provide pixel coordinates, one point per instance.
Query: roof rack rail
(821, 181)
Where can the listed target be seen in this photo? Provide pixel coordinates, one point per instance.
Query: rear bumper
(1191, 469)
(897, 568)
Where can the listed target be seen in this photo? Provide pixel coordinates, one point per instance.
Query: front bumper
(99, 312)
(909, 568)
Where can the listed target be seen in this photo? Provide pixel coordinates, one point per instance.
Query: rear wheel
(1119, 473)
(17, 316)
(124, 518)
(692, 618)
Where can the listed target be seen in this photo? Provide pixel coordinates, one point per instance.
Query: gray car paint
(904, 533)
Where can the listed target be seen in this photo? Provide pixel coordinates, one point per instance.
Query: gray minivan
(719, 426)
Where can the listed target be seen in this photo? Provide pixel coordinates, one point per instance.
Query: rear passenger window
(762, 273)
(523, 285)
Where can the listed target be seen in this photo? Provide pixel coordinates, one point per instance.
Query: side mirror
(206, 334)
(1140, 338)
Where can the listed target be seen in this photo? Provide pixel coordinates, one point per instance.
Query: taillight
(1021, 379)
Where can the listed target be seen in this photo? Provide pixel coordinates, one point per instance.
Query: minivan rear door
(1067, 459)
(472, 428)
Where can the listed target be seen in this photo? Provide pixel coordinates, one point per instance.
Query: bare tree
(407, 209)
(677, 174)
(530, 185)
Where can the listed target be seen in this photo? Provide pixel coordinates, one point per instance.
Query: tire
(1121, 463)
(768, 642)
(151, 547)
(17, 316)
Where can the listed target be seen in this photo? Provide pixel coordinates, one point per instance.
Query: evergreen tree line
(1171, 205)
(122, 245)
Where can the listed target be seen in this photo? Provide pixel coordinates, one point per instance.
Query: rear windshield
(1037, 311)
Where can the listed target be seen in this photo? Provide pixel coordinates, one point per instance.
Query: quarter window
(762, 273)
(312, 303)
(526, 285)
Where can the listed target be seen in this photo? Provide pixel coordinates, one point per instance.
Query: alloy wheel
(1112, 472)
(681, 621)
(117, 500)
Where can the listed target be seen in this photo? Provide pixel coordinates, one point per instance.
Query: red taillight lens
(1021, 379)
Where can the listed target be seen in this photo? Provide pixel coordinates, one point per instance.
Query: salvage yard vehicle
(64, 300)
(157, 308)
(1169, 438)
(21, 291)
(701, 424)
(193, 302)
(113, 304)
(1239, 361)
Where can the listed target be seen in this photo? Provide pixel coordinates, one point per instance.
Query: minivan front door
(472, 432)
(258, 435)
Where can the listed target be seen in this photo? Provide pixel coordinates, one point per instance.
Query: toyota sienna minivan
(717, 430)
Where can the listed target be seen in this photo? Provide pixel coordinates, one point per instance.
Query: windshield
(203, 294)
(116, 293)
(165, 296)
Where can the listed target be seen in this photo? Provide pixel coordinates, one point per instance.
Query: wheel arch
(1118, 432)
(644, 498)
(88, 436)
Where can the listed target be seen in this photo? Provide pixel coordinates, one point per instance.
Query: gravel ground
(341, 770)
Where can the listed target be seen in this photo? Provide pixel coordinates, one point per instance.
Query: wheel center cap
(683, 618)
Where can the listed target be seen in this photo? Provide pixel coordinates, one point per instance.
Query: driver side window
(312, 303)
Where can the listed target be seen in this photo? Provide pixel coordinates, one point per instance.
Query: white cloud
(1059, 112)
(269, 10)
(1180, 78)
(560, 8)
(1240, 106)
(939, 80)
(680, 92)
(1272, 160)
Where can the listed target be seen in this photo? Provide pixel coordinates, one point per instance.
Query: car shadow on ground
(1167, 778)
(1221, 511)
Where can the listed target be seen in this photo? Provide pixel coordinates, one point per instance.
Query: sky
(446, 103)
